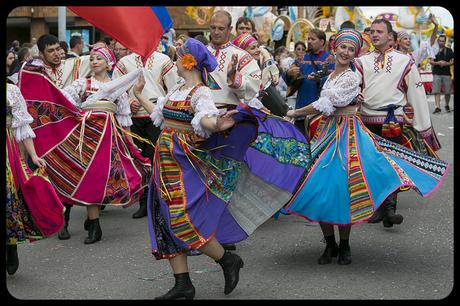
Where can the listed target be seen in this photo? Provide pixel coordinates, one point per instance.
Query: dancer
(353, 170)
(183, 220)
(91, 158)
(389, 79)
(29, 215)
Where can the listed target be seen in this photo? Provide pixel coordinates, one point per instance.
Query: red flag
(138, 28)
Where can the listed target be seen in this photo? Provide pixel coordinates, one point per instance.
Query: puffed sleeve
(124, 111)
(340, 94)
(21, 118)
(203, 104)
(75, 91)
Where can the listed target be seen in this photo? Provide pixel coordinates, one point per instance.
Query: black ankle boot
(229, 247)
(86, 224)
(64, 232)
(231, 264)
(390, 217)
(12, 260)
(331, 250)
(141, 212)
(94, 232)
(183, 288)
(378, 215)
(344, 253)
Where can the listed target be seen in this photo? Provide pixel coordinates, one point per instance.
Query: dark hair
(300, 43)
(107, 40)
(347, 25)
(74, 40)
(202, 39)
(279, 50)
(320, 34)
(384, 21)
(222, 12)
(245, 20)
(444, 36)
(46, 40)
(395, 35)
(64, 46)
(22, 53)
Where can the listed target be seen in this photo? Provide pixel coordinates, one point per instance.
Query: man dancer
(160, 76)
(61, 73)
(387, 77)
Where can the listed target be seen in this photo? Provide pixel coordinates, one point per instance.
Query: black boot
(142, 211)
(229, 247)
(86, 224)
(390, 217)
(64, 232)
(183, 288)
(331, 250)
(231, 264)
(378, 215)
(344, 253)
(94, 232)
(12, 260)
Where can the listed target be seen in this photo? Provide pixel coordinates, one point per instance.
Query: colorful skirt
(413, 140)
(33, 210)
(90, 159)
(353, 171)
(213, 188)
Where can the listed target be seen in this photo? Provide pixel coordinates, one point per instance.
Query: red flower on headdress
(188, 61)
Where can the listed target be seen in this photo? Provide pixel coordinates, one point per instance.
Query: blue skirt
(352, 171)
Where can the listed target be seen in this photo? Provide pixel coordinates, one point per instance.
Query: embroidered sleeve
(417, 98)
(248, 78)
(75, 91)
(124, 111)
(169, 75)
(203, 105)
(21, 118)
(339, 94)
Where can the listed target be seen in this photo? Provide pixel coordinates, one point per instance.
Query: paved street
(411, 261)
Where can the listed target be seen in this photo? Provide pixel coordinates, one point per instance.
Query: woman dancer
(91, 158)
(352, 170)
(27, 217)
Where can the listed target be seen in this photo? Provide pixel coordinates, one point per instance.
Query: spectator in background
(441, 73)
(120, 51)
(33, 41)
(10, 57)
(63, 50)
(109, 42)
(23, 55)
(245, 25)
(76, 46)
(348, 24)
(393, 39)
(300, 49)
(14, 46)
(180, 41)
(202, 39)
(330, 44)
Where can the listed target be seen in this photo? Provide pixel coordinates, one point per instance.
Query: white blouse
(75, 91)
(202, 104)
(20, 117)
(338, 92)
